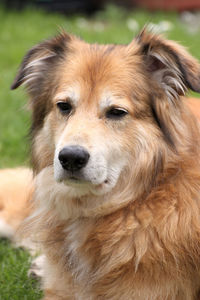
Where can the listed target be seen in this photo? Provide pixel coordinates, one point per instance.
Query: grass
(19, 32)
(14, 284)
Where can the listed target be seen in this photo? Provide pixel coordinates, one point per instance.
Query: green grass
(14, 284)
(19, 32)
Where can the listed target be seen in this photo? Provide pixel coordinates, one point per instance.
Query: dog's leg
(57, 285)
(52, 295)
(37, 267)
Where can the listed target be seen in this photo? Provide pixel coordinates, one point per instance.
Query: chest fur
(121, 250)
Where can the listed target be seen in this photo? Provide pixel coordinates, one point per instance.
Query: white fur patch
(37, 267)
(98, 177)
(108, 99)
(33, 68)
(73, 93)
(5, 229)
(39, 61)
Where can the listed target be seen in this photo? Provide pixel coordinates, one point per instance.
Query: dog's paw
(37, 267)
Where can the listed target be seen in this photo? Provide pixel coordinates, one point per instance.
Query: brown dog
(116, 157)
(16, 188)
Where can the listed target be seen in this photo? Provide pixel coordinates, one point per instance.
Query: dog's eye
(64, 107)
(116, 113)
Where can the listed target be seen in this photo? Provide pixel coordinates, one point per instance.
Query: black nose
(73, 158)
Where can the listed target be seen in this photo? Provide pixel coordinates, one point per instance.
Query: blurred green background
(19, 31)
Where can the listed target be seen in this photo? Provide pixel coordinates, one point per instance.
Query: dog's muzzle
(73, 158)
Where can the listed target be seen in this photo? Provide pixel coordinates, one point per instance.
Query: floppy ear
(173, 71)
(39, 59)
(169, 64)
(37, 72)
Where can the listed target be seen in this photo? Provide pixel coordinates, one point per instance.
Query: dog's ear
(38, 60)
(169, 64)
(171, 72)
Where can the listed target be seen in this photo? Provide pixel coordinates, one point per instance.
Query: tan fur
(16, 187)
(134, 234)
(194, 105)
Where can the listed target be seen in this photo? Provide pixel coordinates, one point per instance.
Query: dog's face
(93, 117)
(101, 113)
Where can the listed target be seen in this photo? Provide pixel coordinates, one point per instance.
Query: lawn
(19, 32)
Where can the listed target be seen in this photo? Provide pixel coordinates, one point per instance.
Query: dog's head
(101, 113)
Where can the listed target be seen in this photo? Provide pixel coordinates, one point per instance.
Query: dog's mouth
(86, 185)
(94, 178)
(75, 180)
(78, 180)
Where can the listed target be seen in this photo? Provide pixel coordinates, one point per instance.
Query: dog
(115, 152)
(16, 189)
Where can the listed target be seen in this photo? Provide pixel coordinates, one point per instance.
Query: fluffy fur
(127, 226)
(16, 189)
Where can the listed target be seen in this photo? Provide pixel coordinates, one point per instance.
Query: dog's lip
(76, 180)
(100, 185)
